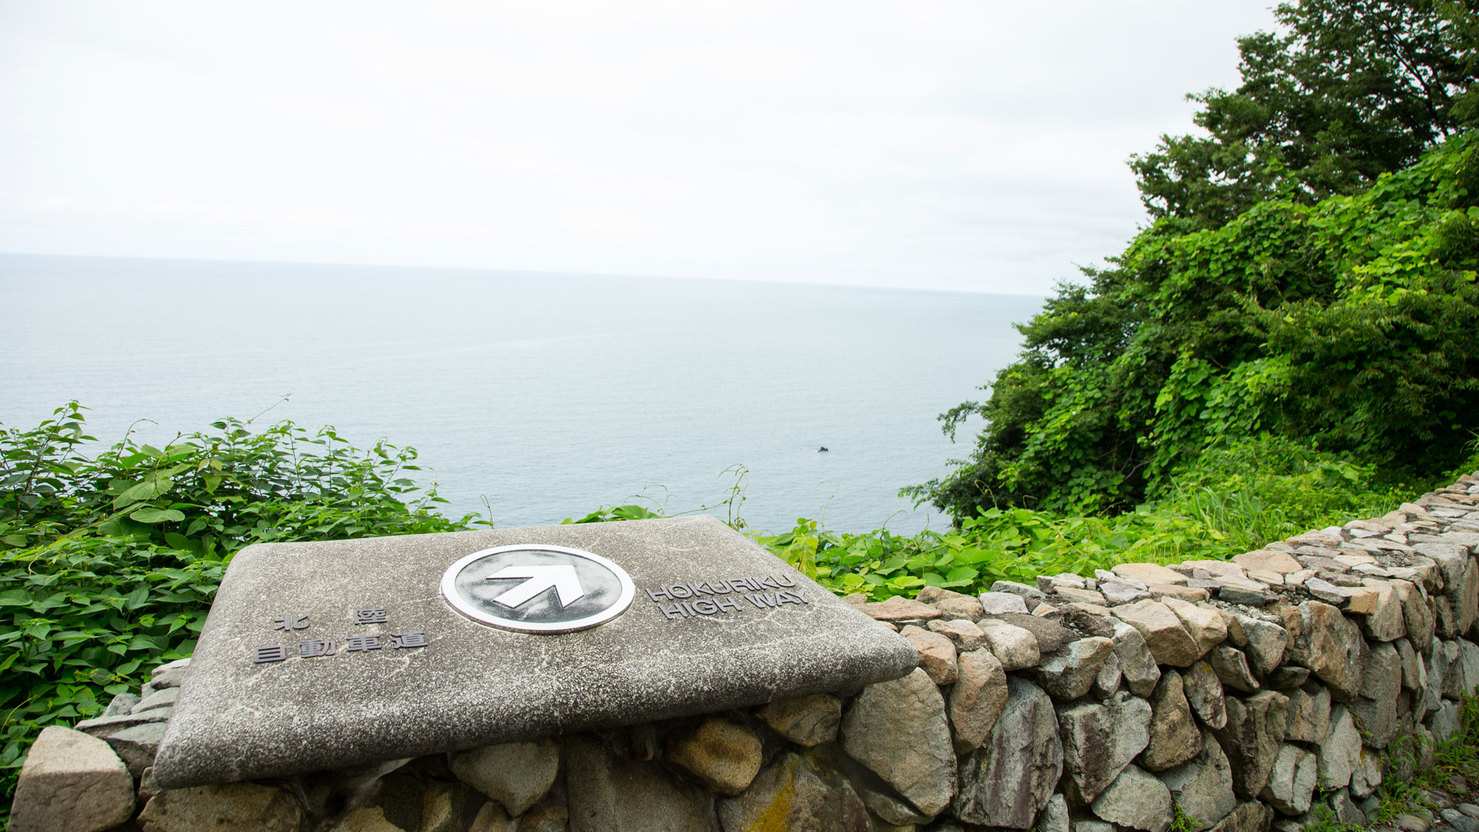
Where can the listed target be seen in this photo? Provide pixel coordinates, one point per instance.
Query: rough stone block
(723, 754)
(806, 720)
(244, 806)
(1174, 737)
(1011, 777)
(899, 730)
(1099, 741)
(1136, 800)
(1252, 738)
(1163, 631)
(71, 781)
(1202, 787)
(977, 699)
(606, 793)
(431, 679)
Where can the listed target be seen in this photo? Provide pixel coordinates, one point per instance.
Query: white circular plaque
(535, 588)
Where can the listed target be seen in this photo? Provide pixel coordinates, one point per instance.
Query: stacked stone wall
(1242, 693)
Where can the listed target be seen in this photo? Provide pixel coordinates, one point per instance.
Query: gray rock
(899, 609)
(1327, 643)
(1346, 810)
(1174, 737)
(737, 644)
(1309, 715)
(976, 699)
(1445, 620)
(1071, 673)
(937, 654)
(721, 753)
(1203, 623)
(71, 781)
(1011, 777)
(443, 806)
(953, 604)
(1099, 741)
(1136, 661)
(1445, 722)
(891, 810)
(1252, 816)
(138, 745)
(159, 699)
(1288, 677)
(1417, 612)
(1136, 800)
(1414, 669)
(121, 704)
(964, 633)
(1437, 669)
(1015, 647)
(1055, 816)
(898, 730)
(610, 794)
(1385, 621)
(248, 807)
(1252, 738)
(1204, 693)
(1469, 660)
(372, 819)
(1020, 589)
(516, 774)
(1268, 643)
(1376, 706)
(1050, 635)
(1366, 776)
(1291, 784)
(806, 720)
(1451, 559)
(1109, 678)
(1167, 637)
(1465, 597)
(1454, 683)
(1001, 603)
(1202, 787)
(104, 726)
(1231, 667)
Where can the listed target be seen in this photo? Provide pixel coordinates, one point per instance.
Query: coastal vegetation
(109, 560)
(1290, 344)
(1307, 285)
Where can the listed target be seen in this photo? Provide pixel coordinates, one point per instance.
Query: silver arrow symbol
(560, 576)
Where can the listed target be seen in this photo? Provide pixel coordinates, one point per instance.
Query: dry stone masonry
(1243, 694)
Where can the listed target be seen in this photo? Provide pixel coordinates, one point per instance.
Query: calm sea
(548, 395)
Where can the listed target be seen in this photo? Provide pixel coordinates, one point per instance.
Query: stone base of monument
(1075, 704)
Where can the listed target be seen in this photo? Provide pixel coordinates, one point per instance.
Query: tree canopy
(1310, 276)
(1350, 90)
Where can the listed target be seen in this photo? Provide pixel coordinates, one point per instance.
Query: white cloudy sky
(960, 144)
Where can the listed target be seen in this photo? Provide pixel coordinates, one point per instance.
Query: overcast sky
(974, 145)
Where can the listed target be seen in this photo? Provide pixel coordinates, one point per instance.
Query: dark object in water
(822, 449)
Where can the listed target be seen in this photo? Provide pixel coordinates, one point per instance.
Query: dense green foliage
(109, 562)
(1340, 322)
(1350, 90)
(1232, 501)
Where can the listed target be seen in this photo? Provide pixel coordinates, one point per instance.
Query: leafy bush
(109, 562)
(1344, 327)
(1234, 498)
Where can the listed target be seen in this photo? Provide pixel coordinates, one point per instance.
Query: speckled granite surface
(472, 684)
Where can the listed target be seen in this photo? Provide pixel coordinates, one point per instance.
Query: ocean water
(547, 395)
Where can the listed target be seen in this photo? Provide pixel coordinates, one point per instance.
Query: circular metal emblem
(534, 588)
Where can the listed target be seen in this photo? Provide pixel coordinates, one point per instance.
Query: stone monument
(328, 655)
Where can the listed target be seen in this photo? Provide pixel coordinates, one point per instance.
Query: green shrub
(108, 562)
